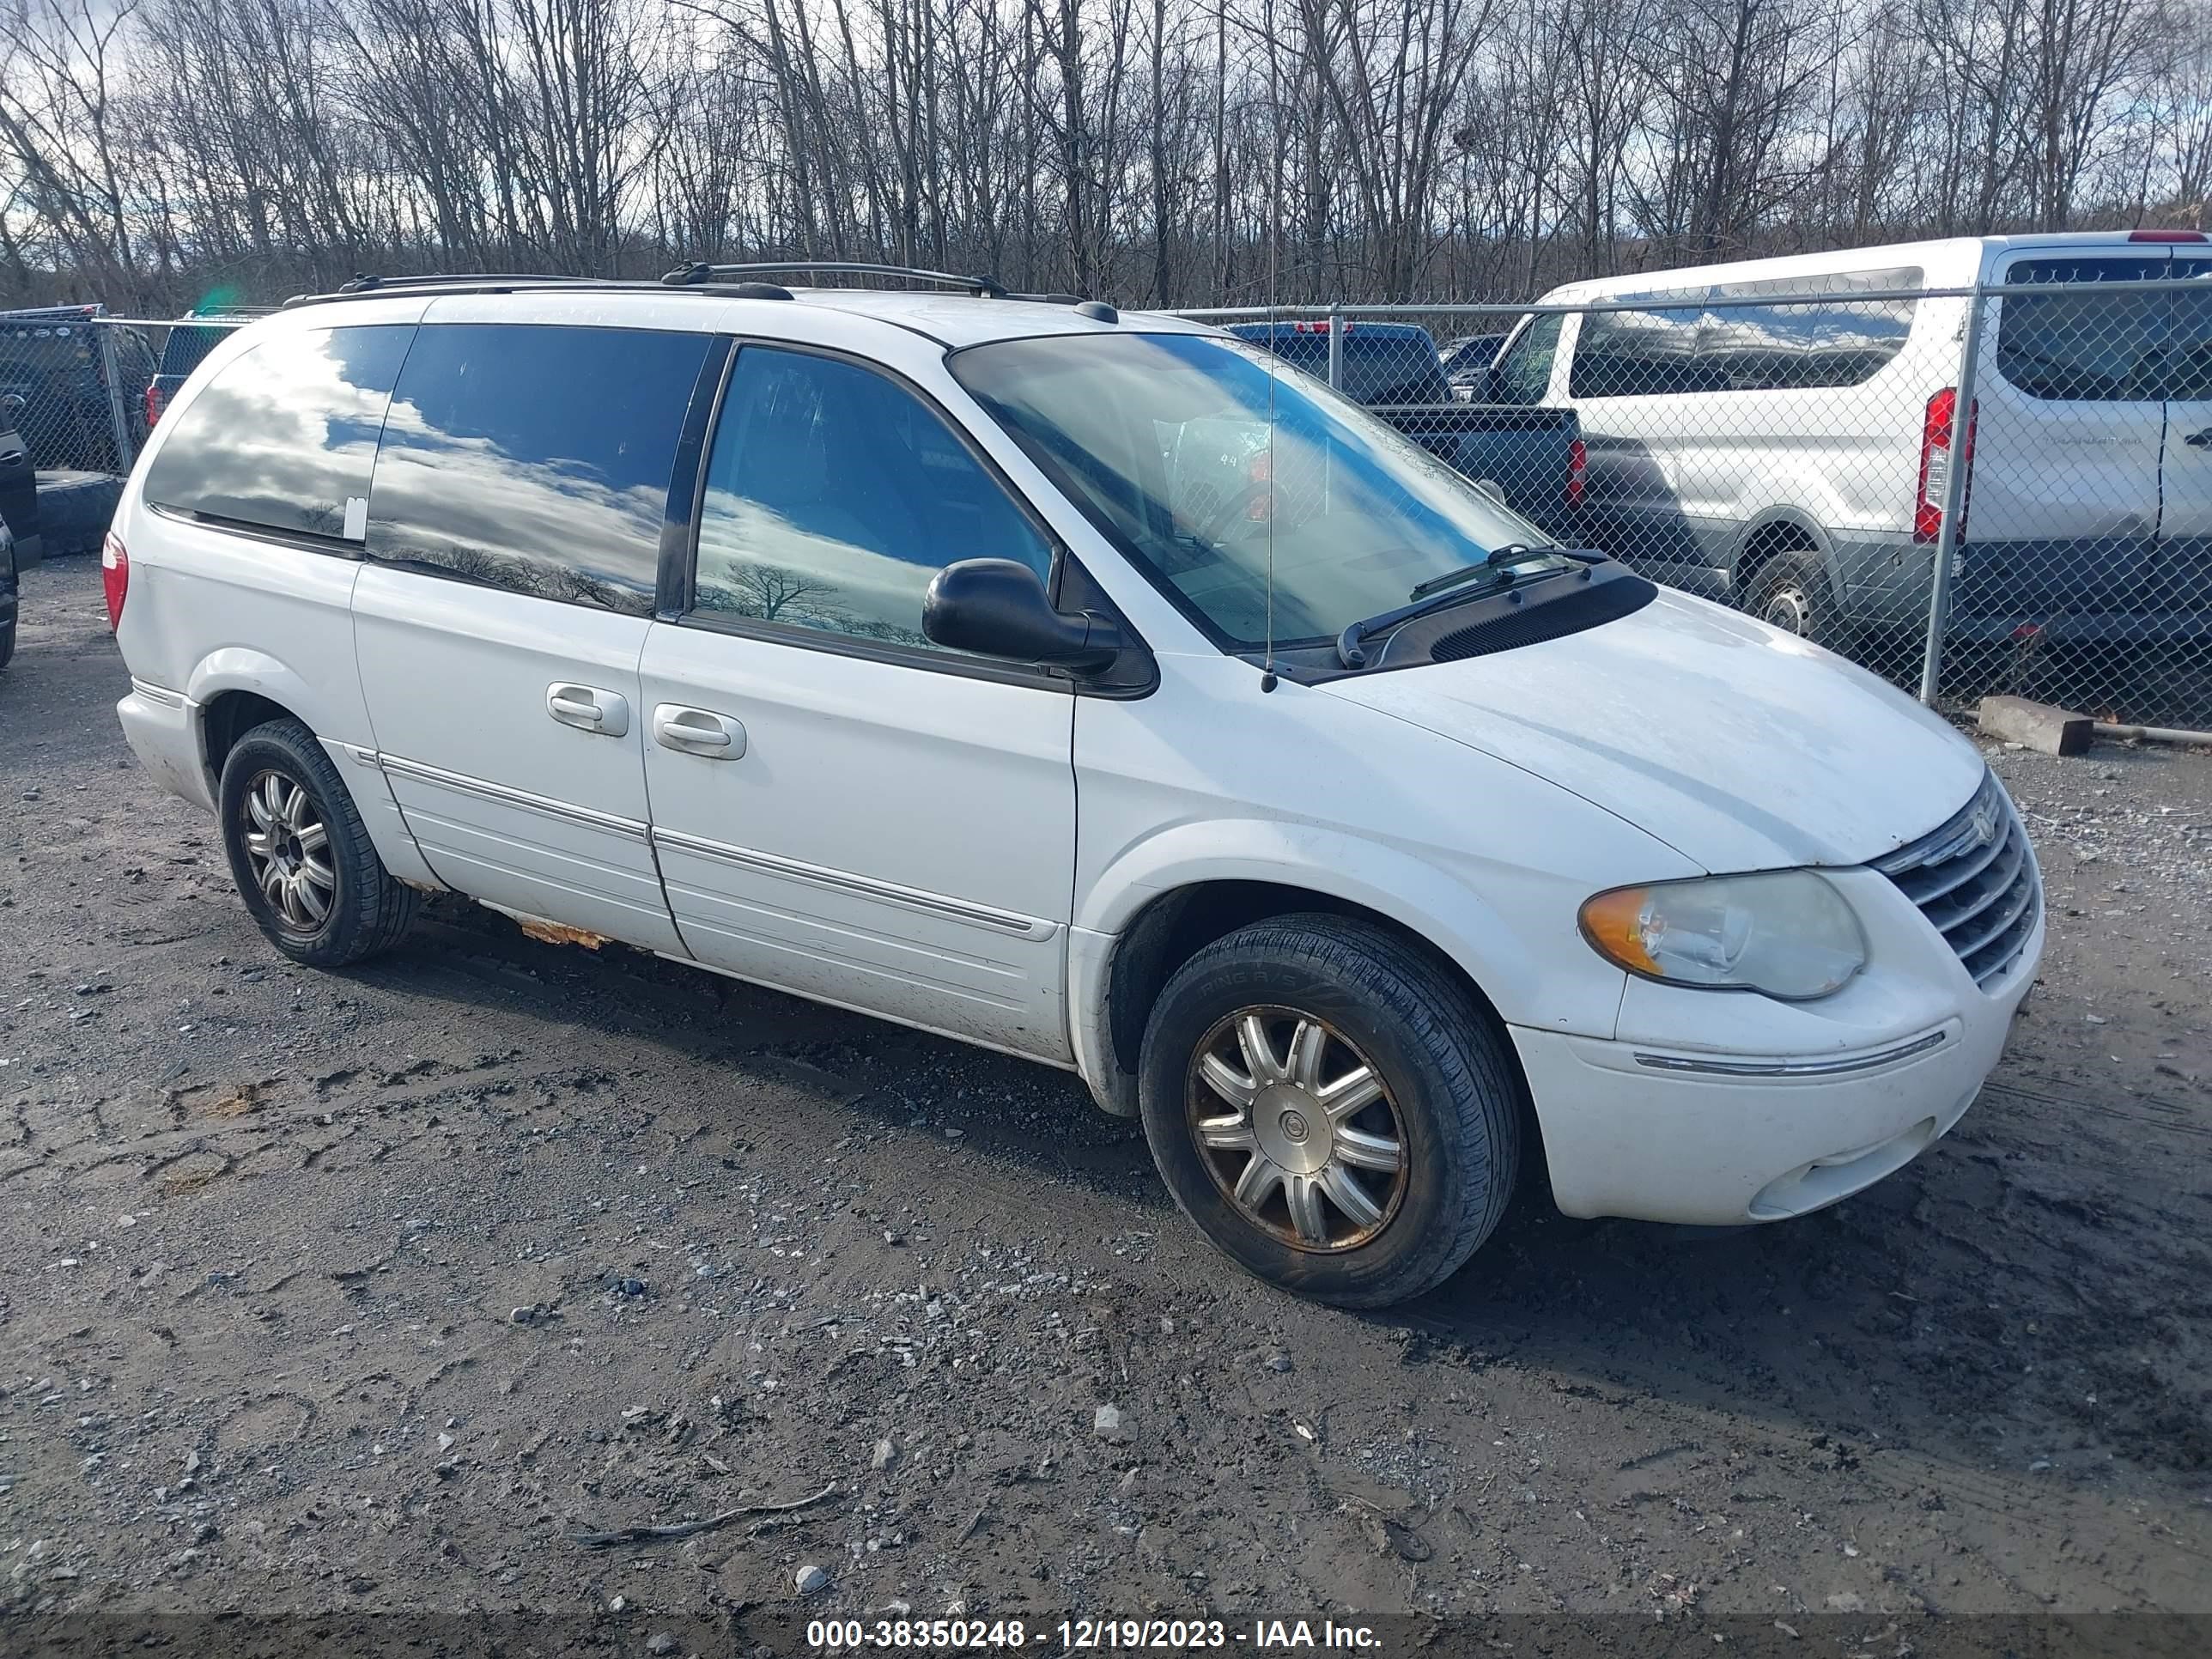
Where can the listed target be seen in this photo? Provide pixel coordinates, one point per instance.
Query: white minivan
(1745, 443)
(1377, 852)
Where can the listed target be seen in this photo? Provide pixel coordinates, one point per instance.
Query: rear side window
(2084, 348)
(535, 458)
(1638, 354)
(1816, 335)
(285, 437)
(187, 347)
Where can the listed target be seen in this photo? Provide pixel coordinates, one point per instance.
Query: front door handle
(698, 732)
(2200, 440)
(588, 709)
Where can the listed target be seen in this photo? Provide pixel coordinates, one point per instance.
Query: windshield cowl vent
(1570, 613)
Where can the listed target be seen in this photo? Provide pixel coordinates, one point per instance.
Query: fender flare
(1426, 901)
(1795, 518)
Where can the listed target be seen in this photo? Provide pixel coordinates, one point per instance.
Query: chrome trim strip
(159, 693)
(1919, 1045)
(500, 794)
(1003, 922)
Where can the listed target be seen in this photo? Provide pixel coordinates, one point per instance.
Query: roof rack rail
(694, 276)
(368, 284)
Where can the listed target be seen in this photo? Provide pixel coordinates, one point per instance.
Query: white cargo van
(1791, 456)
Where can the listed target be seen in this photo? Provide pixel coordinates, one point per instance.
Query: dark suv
(51, 358)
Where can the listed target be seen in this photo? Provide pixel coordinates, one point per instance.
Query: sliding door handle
(588, 709)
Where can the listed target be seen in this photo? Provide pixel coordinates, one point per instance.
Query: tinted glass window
(1815, 336)
(535, 458)
(833, 495)
(2084, 348)
(2190, 375)
(187, 347)
(1524, 373)
(1381, 363)
(1637, 353)
(285, 437)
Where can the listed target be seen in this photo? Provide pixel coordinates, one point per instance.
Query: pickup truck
(1530, 457)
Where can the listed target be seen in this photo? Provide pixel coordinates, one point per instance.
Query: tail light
(1578, 471)
(114, 577)
(2168, 236)
(155, 401)
(1935, 430)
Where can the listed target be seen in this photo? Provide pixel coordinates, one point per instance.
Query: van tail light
(2168, 236)
(155, 400)
(1935, 430)
(114, 577)
(1578, 471)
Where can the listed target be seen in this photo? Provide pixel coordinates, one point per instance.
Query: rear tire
(1330, 1109)
(1791, 592)
(300, 854)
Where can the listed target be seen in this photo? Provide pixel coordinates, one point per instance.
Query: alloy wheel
(1298, 1128)
(287, 849)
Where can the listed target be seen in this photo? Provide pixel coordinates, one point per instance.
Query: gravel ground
(332, 1294)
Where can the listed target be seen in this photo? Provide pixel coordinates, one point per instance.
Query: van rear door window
(535, 458)
(286, 434)
(2097, 347)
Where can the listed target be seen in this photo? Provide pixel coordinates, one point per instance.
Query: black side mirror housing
(1000, 608)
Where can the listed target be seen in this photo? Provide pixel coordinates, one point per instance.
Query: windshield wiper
(1440, 592)
(1511, 553)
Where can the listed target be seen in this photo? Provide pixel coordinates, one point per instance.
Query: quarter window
(535, 458)
(835, 495)
(285, 437)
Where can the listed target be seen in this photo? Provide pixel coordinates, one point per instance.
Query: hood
(1741, 746)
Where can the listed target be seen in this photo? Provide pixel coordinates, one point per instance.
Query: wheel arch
(1776, 531)
(238, 688)
(1166, 901)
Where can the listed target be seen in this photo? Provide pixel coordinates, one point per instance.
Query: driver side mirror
(1000, 608)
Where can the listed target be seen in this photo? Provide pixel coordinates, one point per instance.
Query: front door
(513, 528)
(840, 808)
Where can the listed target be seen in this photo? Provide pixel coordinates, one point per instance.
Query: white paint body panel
(891, 838)
(1742, 746)
(508, 804)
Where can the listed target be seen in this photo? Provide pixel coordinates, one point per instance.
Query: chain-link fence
(1786, 447)
(81, 389)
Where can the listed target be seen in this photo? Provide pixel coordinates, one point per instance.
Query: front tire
(300, 854)
(1330, 1109)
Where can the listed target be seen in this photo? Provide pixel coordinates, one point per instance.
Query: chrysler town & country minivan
(1376, 851)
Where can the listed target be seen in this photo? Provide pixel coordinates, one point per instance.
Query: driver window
(835, 495)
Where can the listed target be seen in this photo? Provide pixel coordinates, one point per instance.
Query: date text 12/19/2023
(1105, 1635)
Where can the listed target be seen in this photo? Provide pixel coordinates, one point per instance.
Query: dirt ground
(334, 1294)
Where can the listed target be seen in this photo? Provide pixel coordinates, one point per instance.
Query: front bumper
(1633, 1130)
(163, 730)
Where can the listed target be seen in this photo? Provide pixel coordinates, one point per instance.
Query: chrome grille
(1975, 880)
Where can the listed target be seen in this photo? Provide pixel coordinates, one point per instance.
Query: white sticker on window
(356, 518)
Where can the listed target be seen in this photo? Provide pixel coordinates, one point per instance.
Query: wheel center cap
(1291, 1128)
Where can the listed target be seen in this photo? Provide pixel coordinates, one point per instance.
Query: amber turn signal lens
(1614, 923)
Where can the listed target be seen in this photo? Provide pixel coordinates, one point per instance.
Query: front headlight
(1786, 932)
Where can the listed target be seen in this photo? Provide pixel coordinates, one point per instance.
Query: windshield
(1166, 439)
